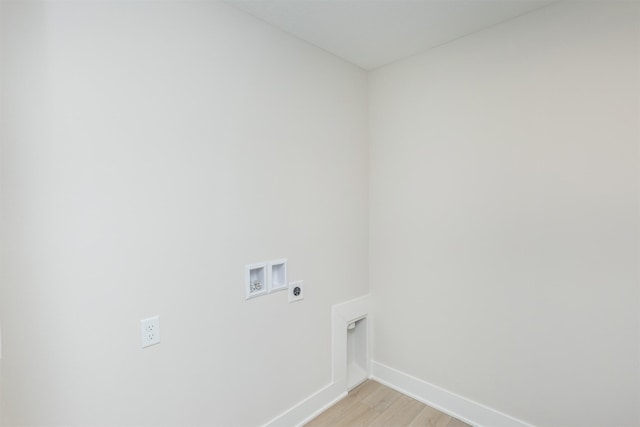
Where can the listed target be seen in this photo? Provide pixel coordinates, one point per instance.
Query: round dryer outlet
(296, 291)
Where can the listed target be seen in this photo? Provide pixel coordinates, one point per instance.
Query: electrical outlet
(150, 331)
(296, 291)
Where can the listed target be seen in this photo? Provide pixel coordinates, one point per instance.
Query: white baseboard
(309, 408)
(443, 400)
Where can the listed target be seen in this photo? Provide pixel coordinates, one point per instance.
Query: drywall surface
(504, 215)
(149, 151)
(2, 246)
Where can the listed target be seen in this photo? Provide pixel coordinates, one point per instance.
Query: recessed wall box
(357, 365)
(255, 277)
(278, 275)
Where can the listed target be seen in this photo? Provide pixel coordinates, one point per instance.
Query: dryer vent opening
(357, 371)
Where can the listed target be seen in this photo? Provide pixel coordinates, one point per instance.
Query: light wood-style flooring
(372, 404)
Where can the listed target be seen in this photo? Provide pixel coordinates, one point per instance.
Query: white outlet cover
(150, 331)
(296, 291)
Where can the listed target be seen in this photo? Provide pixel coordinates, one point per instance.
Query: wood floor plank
(430, 417)
(365, 389)
(400, 413)
(381, 398)
(372, 404)
(333, 414)
(360, 415)
(457, 423)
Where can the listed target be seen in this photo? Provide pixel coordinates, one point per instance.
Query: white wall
(504, 215)
(149, 151)
(143, 141)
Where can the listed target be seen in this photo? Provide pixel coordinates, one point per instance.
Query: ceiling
(372, 33)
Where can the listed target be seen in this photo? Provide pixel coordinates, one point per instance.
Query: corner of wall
(341, 314)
